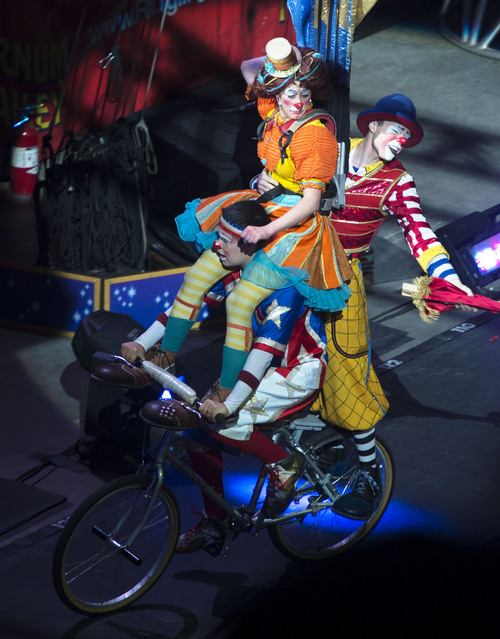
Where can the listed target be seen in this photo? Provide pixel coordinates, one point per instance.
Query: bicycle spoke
(98, 571)
(310, 529)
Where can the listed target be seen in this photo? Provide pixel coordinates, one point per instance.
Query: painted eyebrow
(223, 237)
(301, 91)
(291, 91)
(401, 129)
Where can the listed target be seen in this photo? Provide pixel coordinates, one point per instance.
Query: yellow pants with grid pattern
(352, 396)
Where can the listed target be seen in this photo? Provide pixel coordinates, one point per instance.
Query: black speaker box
(103, 331)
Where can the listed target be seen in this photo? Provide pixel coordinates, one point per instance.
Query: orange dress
(308, 256)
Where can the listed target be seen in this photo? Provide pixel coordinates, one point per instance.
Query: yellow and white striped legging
(240, 306)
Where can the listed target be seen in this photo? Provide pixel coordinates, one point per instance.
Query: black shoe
(360, 503)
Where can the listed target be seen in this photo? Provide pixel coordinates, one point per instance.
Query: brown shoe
(217, 392)
(160, 358)
(121, 374)
(283, 476)
(170, 413)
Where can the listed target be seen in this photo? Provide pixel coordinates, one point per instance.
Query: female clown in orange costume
(299, 247)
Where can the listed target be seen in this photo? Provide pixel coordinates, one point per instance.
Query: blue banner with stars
(45, 299)
(145, 296)
(57, 301)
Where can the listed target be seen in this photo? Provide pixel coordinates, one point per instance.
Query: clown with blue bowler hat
(377, 185)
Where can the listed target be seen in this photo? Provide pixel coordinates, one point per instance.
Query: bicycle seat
(284, 421)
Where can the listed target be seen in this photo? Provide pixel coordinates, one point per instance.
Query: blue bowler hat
(395, 108)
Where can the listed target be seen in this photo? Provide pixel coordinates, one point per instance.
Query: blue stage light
(166, 394)
(399, 518)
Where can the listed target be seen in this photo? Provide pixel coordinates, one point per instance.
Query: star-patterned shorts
(274, 395)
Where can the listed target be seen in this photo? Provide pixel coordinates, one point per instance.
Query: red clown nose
(402, 140)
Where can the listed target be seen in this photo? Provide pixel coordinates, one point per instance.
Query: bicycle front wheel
(322, 532)
(96, 566)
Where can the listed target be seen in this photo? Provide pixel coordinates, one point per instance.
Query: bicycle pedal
(258, 520)
(214, 548)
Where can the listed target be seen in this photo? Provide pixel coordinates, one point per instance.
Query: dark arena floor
(431, 565)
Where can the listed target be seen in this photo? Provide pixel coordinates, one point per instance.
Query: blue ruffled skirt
(262, 271)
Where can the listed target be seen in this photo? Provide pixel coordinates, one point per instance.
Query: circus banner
(88, 63)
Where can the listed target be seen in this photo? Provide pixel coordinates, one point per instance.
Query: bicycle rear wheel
(94, 570)
(324, 533)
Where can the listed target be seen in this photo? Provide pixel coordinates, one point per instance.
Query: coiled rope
(91, 204)
(91, 209)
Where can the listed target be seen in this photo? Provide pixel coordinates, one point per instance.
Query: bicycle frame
(241, 519)
(244, 518)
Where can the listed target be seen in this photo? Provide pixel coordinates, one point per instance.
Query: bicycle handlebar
(174, 384)
(167, 380)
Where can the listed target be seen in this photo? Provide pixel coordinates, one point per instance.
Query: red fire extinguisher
(25, 160)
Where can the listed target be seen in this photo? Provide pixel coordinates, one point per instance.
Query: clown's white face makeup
(389, 138)
(294, 101)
